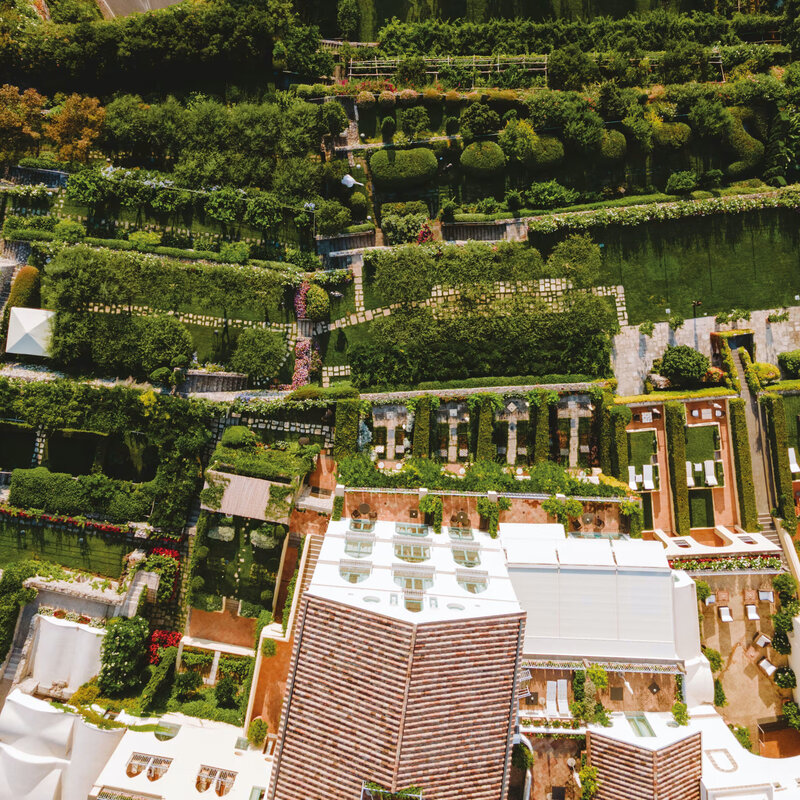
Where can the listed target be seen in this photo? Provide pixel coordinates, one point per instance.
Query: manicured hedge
(160, 676)
(674, 423)
(750, 373)
(748, 149)
(674, 135)
(547, 152)
(485, 449)
(732, 376)
(421, 437)
(24, 293)
(743, 465)
(613, 146)
(779, 446)
(400, 168)
(540, 425)
(620, 416)
(789, 362)
(345, 441)
(483, 158)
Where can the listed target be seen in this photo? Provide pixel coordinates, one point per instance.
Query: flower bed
(72, 616)
(33, 517)
(159, 641)
(727, 564)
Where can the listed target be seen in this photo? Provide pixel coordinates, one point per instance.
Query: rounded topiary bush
(672, 135)
(318, 304)
(365, 100)
(547, 152)
(613, 146)
(396, 168)
(483, 158)
(408, 97)
(766, 373)
(432, 97)
(748, 150)
(386, 100)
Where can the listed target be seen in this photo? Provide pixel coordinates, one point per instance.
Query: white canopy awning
(29, 331)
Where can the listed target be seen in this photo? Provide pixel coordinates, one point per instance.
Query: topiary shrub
(748, 150)
(766, 373)
(386, 100)
(789, 363)
(483, 158)
(70, 231)
(548, 151)
(681, 182)
(402, 168)
(257, 732)
(365, 100)
(24, 293)
(408, 98)
(672, 135)
(388, 128)
(318, 304)
(613, 146)
(683, 366)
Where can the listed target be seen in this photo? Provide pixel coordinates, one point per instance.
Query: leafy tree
(348, 16)
(257, 732)
(75, 126)
(123, 655)
(296, 178)
(259, 353)
(415, 121)
(478, 120)
(332, 117)
(406, 276)
(20, 121)
(162, 341)
(786, 587)
(226, 206)
(518, 140)
(683, 61)
(570, 68)
(225, 692)
(263, 212)
(332, 217)
(683, 366)
(578, 259)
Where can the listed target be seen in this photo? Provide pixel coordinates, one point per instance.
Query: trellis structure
(480, 65)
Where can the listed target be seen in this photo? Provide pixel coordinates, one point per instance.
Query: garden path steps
(762, 475)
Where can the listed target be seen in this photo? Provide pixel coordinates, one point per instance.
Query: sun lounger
(762, 640)
(766, 596)
(689, 474)
(562, 698)
(725, 614)
(751, 612)
(550, 708)
(632, 478)
(793, 465)
(767, 667)
(647, 474)
(711, 476)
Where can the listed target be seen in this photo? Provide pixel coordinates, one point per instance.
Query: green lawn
(333, 345)
(101, 554)
(791, 405)
(701, 442)
(641, 447)
(345, 305)
(701, 508)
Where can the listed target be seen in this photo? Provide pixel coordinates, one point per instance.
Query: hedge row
(750, 374)
(421, 437)
(539, 415)
(393, 168)
(485, 449)
(779, 446)
(674, 423)
(732, 379)
(743, 465)
(24, 294)
(345, 441)
(620, 416)
(159, 677)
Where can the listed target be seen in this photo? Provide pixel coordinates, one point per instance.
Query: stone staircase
(768, 529)
(13, 664)
(314, 545)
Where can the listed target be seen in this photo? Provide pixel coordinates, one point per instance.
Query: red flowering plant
(425, 234)
(159, 639)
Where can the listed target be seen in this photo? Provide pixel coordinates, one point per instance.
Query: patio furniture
(711, 599)
(647, 474)
(752, 613)
(762, 640)
(562, 698)
(689, 476)
(767, 667)
(717, 413)
(647, 416)
(698, 467)
(551, 709)
(711, 477)
(632, 478)
(793, 465)
(725, 614)
(705, 413)
(639, 478)
(695, 412)
(766, 596)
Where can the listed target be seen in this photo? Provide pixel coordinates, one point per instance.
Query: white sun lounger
(647, 475)
(766, 596)
(725, 614)
(751, 612)
(689, 474)
(793, 465)
(711, 477)
(551, 710)
(562, 698)
(767, 667)
(762, 640)
(632, 478)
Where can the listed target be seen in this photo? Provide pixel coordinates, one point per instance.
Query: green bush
(714, 658)
(785, 678)
(680, 713)
(318, 303)
(186, 685)
(748, 150)
(672, 135)
(743, 465)
(259, 352)
(421, 436)
(792, 714)
(70, 231)
(268, 648)
(123, 655)
(257, 732)
(789, 363)
(786, 587)
(551, 194)
(348, 415)
(540, 424)
(703, 591)
(234, 252)
(238, 436)
(24, 294)
(681, 182)
(742, 735)
(483, 158)
(613, 146)
(683, 366)
(402, 168)
(432, 504)
(332, 217)
(719, 694)
(620, 418)
(159, 678)
(779, 445)
(225, 692)
(521, 757)
(674, 421)
(485, 449)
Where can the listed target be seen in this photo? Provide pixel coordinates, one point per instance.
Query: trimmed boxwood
(483, 158)
(400, 168)
(485, 450)
(24, 293)
(674, 423)
(421, 438)
(540, 426)
(743, 465)
(779, 447)
(620, 417)
(345, 442)
(547, 152)
(749, 151)
(613, 146)
(673, 135)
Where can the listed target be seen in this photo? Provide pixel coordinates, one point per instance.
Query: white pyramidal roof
(29, 331)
